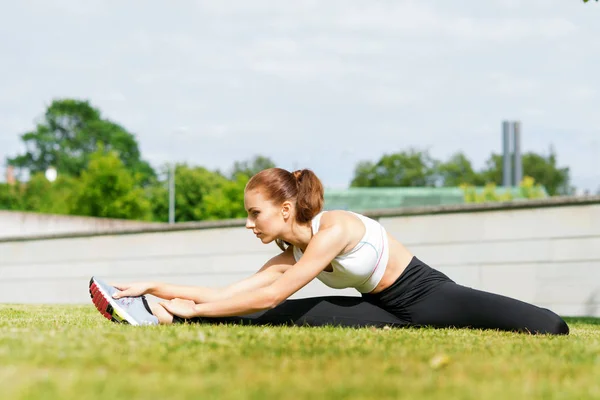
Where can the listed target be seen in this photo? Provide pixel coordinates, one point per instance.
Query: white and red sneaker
(126, 310)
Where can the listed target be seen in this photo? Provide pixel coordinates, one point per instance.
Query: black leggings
(420, 297)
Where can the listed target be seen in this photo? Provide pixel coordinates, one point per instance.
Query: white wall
(546, 256)
(57, 270)
(16, 223)
(549, 256)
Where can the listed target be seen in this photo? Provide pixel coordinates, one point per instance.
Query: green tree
(492, 172)
(251, 167)
(200, 194)
(10, 198)
(192, 186)
(457, 171)
(528, 189)
(108, 189)
(158, 195)
(407, 168)
(70, 131)
(40, 195)
(417, 168)
(543, 169)
(364, 174)
(227, 201)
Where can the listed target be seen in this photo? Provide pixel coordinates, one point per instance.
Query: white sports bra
(362, 267)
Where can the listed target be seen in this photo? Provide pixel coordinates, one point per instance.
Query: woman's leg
(452, 305)
(342, 311)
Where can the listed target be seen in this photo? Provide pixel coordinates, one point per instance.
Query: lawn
(71, 352)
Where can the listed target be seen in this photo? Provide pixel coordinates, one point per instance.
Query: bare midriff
(398, 260)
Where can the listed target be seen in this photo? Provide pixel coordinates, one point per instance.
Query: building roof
(364, 199)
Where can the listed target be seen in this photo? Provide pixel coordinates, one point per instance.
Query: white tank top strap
(315, 225)
(316, 222)
(364, 265)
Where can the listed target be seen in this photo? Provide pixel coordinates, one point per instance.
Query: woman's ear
(286, 209)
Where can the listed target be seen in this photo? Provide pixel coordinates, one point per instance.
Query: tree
(40, 195)
(108, 189)
(9, 197)
(227, 201)
(527, 187)
(543, 169)
(158, 195)
(457, 171)
(200, 194)
(69, 133)
(407, 168)
(417, 168)
(492, 172)
(251, 167)
(192, 186)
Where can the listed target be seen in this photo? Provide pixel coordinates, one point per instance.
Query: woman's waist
(416, 280)
(398, 260)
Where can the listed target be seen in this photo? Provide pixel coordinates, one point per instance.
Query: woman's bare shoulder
(337, 217)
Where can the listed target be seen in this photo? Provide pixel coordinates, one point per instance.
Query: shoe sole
(107, 306)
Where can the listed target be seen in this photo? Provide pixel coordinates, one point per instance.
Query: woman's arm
(323, 248)
(270, 272)
(206, 295)
(169, 291)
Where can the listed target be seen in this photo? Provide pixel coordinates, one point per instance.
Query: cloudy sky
(318, 84)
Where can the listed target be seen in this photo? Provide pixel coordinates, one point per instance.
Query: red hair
(301, 187)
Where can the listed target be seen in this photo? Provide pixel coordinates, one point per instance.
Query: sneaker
(126, 310)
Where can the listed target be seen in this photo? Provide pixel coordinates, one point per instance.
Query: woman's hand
(181, 308)
(132, 289)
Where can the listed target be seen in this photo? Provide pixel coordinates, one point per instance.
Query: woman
(340, 248)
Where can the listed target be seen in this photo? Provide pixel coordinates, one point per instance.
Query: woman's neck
(298, 236)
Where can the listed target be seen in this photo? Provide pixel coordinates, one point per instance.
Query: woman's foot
(164, 317)
(128, 310)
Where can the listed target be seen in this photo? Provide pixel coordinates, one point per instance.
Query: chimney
(506, 156)
(517, 152)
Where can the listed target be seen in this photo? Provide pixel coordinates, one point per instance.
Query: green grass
(71, 352)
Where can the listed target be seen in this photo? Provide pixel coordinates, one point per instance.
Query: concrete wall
(546, 256)
(16, 223)
(545, 252)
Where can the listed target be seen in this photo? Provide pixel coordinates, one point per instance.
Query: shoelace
(127, 301)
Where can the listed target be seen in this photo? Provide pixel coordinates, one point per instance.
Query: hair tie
(297, 174)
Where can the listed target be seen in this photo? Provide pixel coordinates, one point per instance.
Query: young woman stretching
(342, 249)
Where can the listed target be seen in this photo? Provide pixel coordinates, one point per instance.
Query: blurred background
(367, 94)
(150, 115)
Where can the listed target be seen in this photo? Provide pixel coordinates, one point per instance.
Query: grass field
(71, 352)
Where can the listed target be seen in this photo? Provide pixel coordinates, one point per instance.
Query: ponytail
(309, 197)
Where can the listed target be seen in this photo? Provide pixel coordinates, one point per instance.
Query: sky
(312, 84)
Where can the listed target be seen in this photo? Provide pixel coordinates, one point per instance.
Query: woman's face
(265, 219)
